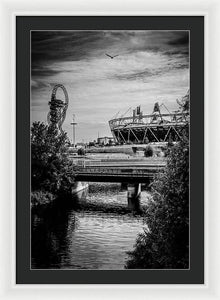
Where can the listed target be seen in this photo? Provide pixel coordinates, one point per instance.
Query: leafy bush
(51, 170)
(81, 151)
(165, 241)
(41, 198)
(148, 151)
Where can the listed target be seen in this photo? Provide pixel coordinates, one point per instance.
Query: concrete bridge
(128, 172)
(131, 172)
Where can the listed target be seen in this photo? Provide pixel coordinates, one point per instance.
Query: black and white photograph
(110, 128)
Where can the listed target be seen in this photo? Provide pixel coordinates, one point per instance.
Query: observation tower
(58, 108)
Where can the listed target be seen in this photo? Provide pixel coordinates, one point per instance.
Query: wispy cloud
(151, 66)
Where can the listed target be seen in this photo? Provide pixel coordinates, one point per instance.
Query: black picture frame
(24, 24)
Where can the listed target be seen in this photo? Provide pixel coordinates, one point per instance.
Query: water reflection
(50, 229)
(74, 235)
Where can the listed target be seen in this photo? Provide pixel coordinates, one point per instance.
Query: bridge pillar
(79, 186)
(133, 194)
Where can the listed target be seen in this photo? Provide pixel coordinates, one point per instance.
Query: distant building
(80, 145)
(105, 140)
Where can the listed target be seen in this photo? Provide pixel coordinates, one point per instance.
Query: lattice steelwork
(156, 127)
(58, 108)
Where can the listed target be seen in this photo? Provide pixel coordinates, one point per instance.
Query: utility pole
(74, 124)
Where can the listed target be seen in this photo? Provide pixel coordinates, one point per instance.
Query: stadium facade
(153, 128)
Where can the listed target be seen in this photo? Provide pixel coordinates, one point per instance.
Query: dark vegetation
(148, 152)
(165, 241)
(51, 170)
(81, 151)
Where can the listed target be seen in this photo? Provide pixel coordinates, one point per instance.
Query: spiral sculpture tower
(58, 108)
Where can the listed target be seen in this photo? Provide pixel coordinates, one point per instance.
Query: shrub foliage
(165, 241)
(148, 151)
(51, 170)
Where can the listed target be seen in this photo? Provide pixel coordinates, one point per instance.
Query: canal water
(93, 231)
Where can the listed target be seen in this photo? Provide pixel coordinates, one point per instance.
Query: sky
(151, 66)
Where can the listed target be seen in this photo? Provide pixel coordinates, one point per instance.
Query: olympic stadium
(156, 127)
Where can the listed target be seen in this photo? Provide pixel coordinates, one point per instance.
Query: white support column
(145, 132)
(135, 136)
(133, 194)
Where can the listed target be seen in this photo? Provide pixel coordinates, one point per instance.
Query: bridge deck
(109, 171)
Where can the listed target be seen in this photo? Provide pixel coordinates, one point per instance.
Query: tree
(148, 151)
(165, 241)
(81, 151)
(51, 170)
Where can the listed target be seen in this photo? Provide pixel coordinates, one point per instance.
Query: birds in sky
(111, 55)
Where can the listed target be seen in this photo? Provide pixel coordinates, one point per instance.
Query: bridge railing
(119, 171)
(123, 164)
(86, 163)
